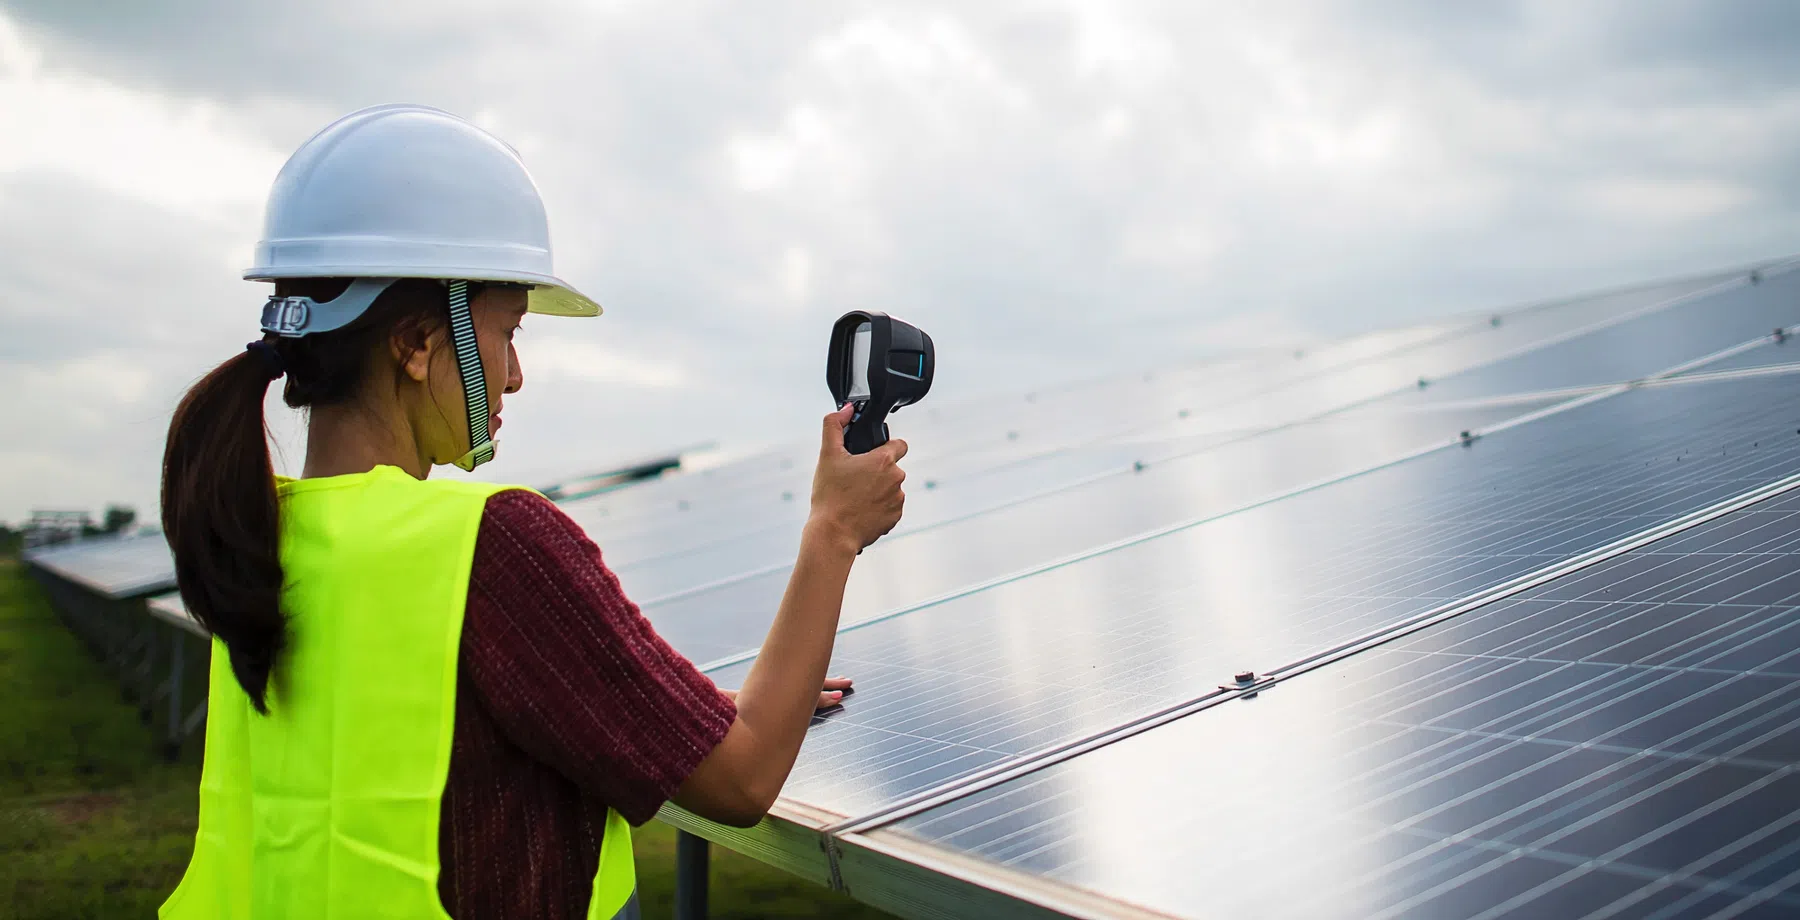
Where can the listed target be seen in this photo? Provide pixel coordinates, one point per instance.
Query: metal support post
(153, 688)
(172, 743)
(139, 676)
(691, 876)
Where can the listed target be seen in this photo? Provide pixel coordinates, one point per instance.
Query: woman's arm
(856, 499)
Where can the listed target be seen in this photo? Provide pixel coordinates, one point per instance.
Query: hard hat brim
(561, 300)
(550, 295)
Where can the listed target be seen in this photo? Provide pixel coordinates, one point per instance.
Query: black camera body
(878, 364)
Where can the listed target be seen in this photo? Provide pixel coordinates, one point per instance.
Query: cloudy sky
(1052, 189)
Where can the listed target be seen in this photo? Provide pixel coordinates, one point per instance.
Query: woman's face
(441, 421)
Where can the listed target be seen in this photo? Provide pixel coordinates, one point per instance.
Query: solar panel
(116, 567)
(976, 435)
(1618, 742)
(986, 676)
(689, 542)
(704, 513)
(697, 550)
(947, 552)
(654, 502)
(1309, 381)
(772, 539)
(1424, 355)
(682, 513)
(1638, 347)
(1250, 390)
(1434, 349)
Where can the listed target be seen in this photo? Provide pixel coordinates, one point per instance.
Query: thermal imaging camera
(878, 364)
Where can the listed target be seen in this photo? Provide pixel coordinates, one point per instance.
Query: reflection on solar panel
(1619, 742)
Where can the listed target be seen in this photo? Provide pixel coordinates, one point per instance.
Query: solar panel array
(1518, 592)
(1048, 718)
(1619, 742)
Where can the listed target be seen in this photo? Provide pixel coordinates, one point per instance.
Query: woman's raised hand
(857, 495)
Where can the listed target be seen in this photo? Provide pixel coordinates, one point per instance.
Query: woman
(431, 697)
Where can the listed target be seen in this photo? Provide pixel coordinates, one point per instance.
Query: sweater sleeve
(572, 672)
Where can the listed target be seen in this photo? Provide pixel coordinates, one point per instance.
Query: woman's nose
(515, 375)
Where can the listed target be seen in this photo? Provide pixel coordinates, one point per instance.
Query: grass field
(94, 824)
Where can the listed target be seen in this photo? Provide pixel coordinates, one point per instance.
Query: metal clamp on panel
(1246, 680)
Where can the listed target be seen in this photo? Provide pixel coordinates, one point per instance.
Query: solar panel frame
(170, 609)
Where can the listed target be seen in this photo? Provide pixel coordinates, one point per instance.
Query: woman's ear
(410, 346)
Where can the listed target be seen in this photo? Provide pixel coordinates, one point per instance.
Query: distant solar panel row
(113, 567)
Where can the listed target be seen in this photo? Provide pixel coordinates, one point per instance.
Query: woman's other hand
(832, 695)
(857, 496)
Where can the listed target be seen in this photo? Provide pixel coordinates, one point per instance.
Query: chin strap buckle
(479, 454)
(286, 316)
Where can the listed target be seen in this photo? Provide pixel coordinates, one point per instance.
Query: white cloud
(1052, 190)
(1631, 198)
(180, 155)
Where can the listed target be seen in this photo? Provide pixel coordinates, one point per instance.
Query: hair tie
(271, 359)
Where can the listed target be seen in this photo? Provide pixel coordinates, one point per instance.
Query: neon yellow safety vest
(328, 806)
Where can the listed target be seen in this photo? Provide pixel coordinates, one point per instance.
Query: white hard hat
(409, 191)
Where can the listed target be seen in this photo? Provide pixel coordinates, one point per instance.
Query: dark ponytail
(219, 507)
(219, 512)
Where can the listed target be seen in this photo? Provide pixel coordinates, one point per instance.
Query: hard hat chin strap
(474, 381)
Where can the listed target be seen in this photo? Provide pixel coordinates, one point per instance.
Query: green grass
(94, 824)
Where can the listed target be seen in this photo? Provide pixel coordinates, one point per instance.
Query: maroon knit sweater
(567, 702)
